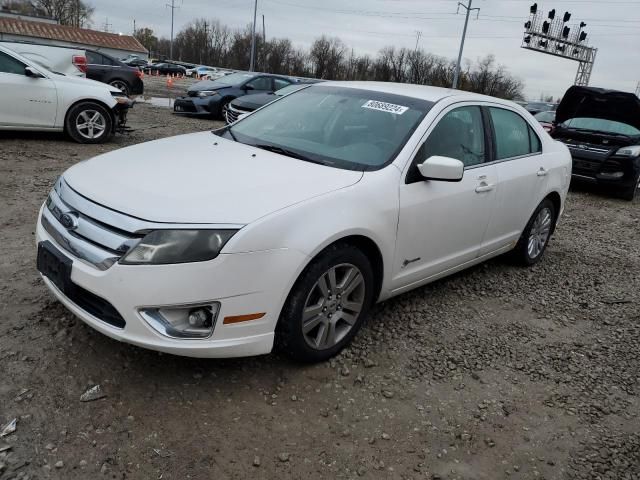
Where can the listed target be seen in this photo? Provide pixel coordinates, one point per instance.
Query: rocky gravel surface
(497, 372)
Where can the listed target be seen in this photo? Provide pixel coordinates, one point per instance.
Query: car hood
(255, 101)
(201, 178)
(208, 85)
(599, 103)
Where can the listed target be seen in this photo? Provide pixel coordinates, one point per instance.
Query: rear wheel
(327, 305)
(89, 122)
(535, 237)
(121, 85)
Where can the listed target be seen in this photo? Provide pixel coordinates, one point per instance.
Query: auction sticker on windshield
(385, 107)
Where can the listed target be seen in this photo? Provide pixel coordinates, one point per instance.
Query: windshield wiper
(286, 152)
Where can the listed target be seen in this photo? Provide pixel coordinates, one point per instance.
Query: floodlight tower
(552, 35)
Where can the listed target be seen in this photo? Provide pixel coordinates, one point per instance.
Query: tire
(631, 192)
(122, 85)
(536, 235)
(333, 319)
(99, 118)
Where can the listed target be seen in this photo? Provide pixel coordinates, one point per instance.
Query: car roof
(423, 92)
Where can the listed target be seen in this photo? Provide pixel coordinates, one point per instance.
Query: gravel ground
(497, 372)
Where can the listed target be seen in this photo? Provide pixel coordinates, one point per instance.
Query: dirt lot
(498, 372)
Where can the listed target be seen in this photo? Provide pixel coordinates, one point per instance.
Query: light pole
(173, 8)
(468, 8)
(253, 37)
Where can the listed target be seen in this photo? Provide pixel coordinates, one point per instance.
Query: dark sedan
(602, 130)
(248, 103)
(211, 98)
(106, 69)
(165, 69)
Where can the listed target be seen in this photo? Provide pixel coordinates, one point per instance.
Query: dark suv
(106, 69)
(602, 130)
(212, 97)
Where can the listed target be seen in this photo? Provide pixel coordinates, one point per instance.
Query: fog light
(185, 321)
(612, 174)
(200, 318)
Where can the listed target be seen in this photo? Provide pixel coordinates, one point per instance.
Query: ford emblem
(69, 221)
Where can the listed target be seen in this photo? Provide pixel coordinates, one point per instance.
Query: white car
(34, 98)
(64, 60)
(287, 226)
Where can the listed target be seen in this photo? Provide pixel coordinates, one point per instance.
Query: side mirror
(444, 169)
(249, 87)
(32, 72)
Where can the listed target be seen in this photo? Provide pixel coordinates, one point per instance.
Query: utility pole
(253, 37)
(106, 26)
(206, 42)
(264, 43)
(464, 34)
(418, 35)
(134, 26)
(173, 8)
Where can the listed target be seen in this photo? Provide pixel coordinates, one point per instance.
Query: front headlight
(177, 246)
(632, 151)
(207, 93)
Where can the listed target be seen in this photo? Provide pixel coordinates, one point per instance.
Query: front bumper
(243, 283)
(120, 111)
(207, 106)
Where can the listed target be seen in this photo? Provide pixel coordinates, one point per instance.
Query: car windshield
(341, 127)
(234, 78)
(601, 125)
(547, 117)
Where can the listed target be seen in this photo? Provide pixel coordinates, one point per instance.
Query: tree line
(209, 42)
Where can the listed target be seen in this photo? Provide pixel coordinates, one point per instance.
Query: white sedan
(286, 227)
(35, 98)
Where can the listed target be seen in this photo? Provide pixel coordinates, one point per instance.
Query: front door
(442, 224)
(27, 101)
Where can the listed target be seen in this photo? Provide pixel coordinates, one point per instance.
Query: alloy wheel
(540, 231)
(91, 124)
(120, 85)
(333, 306)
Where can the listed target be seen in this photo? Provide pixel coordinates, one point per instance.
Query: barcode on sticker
(385, 107)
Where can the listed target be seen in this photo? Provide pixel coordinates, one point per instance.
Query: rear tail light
(139, 74)
(80, 61)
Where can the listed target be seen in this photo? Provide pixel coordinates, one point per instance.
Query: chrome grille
(233, 114)
(85, 237)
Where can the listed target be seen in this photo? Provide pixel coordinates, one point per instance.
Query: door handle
(484, 187)
(542, 172)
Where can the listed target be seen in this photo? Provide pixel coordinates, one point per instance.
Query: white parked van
(64, 60)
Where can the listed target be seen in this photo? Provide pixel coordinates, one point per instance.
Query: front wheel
(89, 122)
(535, 237)
(327, 305)
(631, 192)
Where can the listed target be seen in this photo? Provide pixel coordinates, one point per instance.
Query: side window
(460, 135)
(260, 83)
(279, 83)
(94, 58)
(536, 145)
(11, 65)
(513, 134)
(106, 60)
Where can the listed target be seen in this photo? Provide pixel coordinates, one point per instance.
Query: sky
(613, 27)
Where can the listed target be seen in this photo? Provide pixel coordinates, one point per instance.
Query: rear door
(522, 170)
(96, 67)
(26, 101)
(442, 224)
